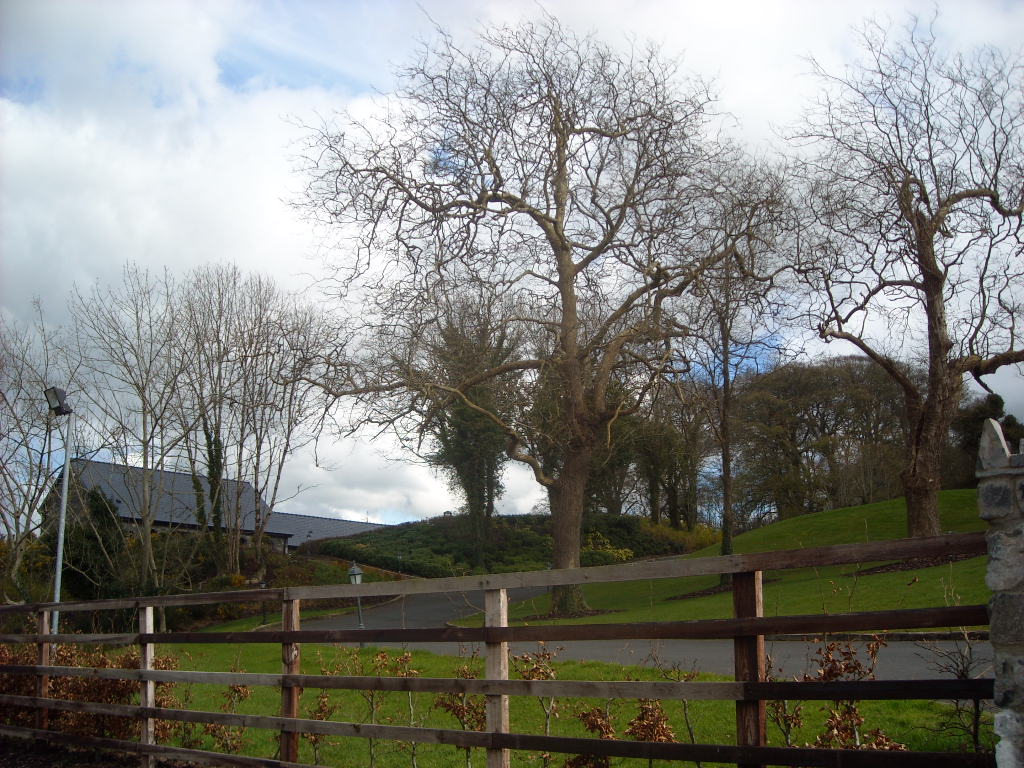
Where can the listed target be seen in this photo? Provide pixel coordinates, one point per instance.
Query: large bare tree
(565, 174)
(913, 170)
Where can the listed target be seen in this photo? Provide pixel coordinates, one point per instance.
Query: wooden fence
(747, 628)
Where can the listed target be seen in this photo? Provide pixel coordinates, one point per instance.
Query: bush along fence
(1001, 505)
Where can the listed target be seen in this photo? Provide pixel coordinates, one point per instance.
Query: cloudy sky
(163, 132)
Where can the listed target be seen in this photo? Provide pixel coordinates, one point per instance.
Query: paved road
(899, 660)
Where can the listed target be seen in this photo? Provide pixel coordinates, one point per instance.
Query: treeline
(808, 436)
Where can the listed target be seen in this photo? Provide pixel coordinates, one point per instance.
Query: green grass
(804, 590)
(912, 723)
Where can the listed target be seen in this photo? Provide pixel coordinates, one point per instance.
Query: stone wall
(1001, 503)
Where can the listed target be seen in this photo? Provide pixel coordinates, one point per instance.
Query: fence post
(496, 668)
(1001, 503)
(748, 651)
(42, 715)
(147, 693)
(290, 665)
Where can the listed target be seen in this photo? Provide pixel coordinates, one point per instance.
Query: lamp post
(263, 604)
(56, 399)
(355, 575)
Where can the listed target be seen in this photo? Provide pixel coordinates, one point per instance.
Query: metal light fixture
(56, 400)
(355, 575)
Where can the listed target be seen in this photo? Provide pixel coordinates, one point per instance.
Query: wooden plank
(793, 756)
(899, 549)
(116, 745)
(166, 601)
(749, 662)
(496, 669)
(42, 716)
(880, 690)
(290, 665)
(147, 693)
(706, 629)
(72, 639)
(660, 751)
(292, 725)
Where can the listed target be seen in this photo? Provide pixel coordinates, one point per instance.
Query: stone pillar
(1001, 503)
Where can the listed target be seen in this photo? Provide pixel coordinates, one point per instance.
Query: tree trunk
(673, 506)
(922, 507)
(922, 480)
(654, 494)
(567, 496)
(929, 420)
(725, 437)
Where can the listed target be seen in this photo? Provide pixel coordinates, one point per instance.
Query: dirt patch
(912, 564)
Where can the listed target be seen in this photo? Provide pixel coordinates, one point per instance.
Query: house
(174, 504)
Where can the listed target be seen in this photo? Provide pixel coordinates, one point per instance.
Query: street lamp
(263, 604)
(355, 575)
(55, 398)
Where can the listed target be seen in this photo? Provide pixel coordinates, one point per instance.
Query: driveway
(900, 660)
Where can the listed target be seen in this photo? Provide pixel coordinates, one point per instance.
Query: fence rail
(747, 629)
(669, 568)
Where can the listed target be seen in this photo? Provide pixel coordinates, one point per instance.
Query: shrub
(85, 689)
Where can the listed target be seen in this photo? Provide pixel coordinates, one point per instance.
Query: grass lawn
(917, 724)
(808, 590)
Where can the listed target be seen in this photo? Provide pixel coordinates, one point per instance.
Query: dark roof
(303, 528)
(174, 502)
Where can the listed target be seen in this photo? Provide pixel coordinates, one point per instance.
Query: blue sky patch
(244, 65)
(23, 90)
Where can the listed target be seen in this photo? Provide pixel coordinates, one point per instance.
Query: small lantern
(355, 574)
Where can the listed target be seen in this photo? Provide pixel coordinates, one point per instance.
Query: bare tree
(208, 310)
(913, 187)
(277, 407)
(737, 310)
(564, 174)
(30, 458)
(244, 402)
(132, 363)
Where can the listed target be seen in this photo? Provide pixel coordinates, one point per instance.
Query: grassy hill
(446, 546)
(808, 590)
